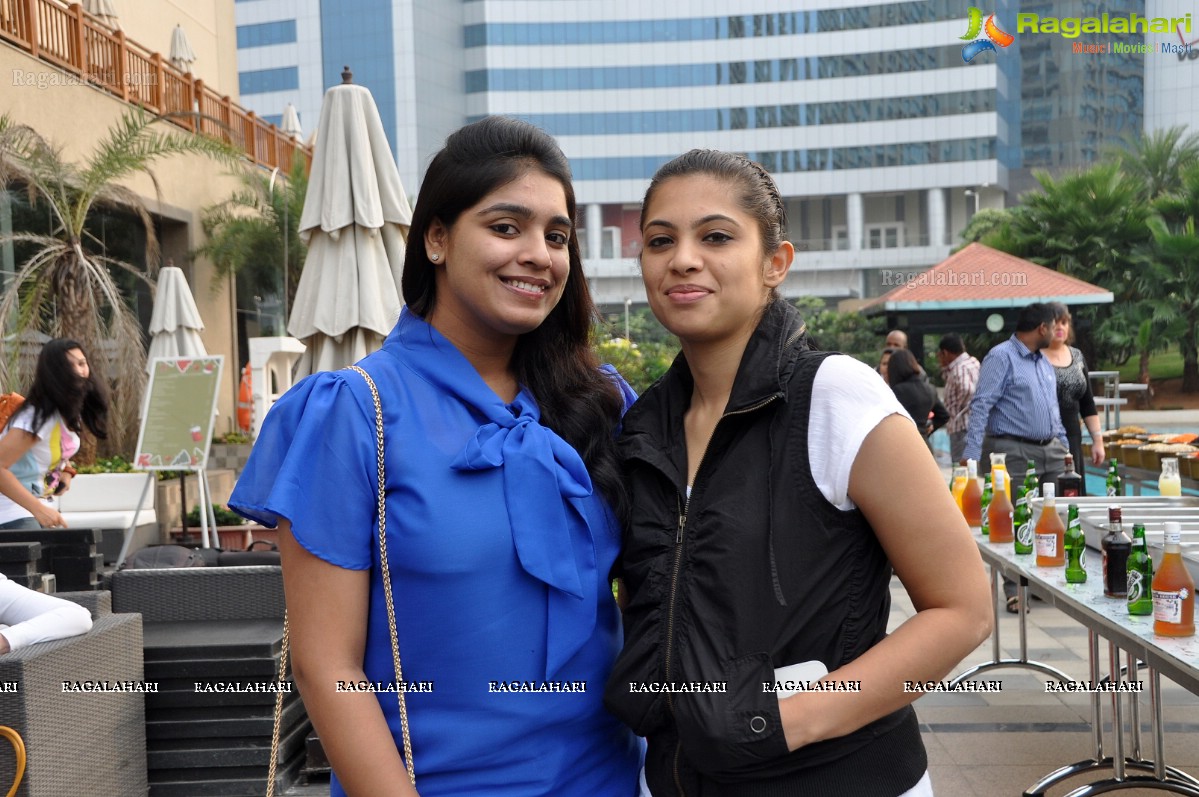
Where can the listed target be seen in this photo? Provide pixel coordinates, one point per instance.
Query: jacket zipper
(678, 557)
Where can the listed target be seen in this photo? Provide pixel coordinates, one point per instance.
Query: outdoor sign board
(177, 418)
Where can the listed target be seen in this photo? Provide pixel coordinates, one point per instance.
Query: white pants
(923, 788)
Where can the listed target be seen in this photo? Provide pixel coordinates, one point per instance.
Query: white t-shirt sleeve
(849, 399)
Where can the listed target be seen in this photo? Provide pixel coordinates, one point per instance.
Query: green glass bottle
(1115, 485)
(985, 501)
(1076, 547)
(1022, 521)
(1032, 485)
(1140, 574)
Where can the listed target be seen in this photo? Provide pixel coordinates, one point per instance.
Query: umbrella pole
(183, 501)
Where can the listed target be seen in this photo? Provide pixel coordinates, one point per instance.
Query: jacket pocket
(735, 730)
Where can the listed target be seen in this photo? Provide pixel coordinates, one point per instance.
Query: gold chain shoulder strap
(391, 615)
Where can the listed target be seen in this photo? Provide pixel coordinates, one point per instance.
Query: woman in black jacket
(914, 392)
(763, 528)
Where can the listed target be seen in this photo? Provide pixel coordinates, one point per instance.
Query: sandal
(1009, 590)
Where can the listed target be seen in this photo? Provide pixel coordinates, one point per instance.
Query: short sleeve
(849, 399)
(313, 463)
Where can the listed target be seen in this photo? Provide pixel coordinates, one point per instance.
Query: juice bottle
(1173, 589)
(1051, 550)
(960, 476)
(972, 495)
(999, 513)
(1169, 482)
(999, 462)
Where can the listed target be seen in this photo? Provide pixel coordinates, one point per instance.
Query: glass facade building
(883, 138)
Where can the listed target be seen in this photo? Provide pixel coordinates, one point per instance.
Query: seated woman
(27, 617)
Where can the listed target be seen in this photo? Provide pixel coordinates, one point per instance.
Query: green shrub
(224, 516)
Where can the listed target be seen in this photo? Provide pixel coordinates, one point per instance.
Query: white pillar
(595, 231)
(853, 220)
(936, 216)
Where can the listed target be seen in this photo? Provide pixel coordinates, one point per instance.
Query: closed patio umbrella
(182, 55)
(104, 10)
(290, 123)
(175, 321)
(355, 223)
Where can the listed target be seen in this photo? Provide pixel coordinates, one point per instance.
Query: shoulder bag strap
(387, 597)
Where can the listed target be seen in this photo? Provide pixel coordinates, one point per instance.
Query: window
(266, 80)
(267, 33)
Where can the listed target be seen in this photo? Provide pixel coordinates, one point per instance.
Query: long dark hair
(902, 366)
(57, 388)
(555, 360)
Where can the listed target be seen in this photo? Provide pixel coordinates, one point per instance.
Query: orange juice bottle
(999, 462)
(1050, 533)
(999, 513)
(1173, 589)
(972, 496)
(960, 475)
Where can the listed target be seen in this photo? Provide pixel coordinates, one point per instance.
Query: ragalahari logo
(994, 36)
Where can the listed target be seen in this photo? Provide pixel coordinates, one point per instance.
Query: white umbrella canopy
(355, 222)
(182, 55)
(104, 9)
(290, 123)
(175, 321)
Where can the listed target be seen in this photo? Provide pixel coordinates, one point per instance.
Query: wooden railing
(90, 52)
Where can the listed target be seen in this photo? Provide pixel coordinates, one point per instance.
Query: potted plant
(230, 451)
(234, 533)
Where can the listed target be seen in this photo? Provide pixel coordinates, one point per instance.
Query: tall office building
(883, 138)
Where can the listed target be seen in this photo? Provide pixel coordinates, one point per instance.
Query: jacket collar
(655, 423)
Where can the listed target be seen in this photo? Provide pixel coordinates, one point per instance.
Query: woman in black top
(1074, 398)
(914, 392)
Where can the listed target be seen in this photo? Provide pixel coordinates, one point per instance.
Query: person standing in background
(960, 372)
(1074, 397)
(897, 339)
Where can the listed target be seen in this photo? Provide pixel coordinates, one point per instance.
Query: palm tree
(66, 287)
(257, 229)
(1173, 224)
(1157, 160)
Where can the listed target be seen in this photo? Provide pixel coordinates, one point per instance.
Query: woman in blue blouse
(503, 497)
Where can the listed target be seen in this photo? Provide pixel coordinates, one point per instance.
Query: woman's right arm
(13, 446)
(327, 614)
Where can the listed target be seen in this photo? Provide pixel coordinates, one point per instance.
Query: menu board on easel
(177, 419)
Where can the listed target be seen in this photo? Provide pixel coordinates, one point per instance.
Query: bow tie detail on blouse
(539, 464)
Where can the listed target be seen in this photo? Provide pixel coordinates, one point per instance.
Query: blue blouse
(499, 550)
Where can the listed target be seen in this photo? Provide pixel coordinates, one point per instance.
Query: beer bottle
(1076, 547)
(1116, 548)
(1069, 484)
(1140, 574)
(984, 523)
(1173, 589)
(999, 513)
(1022, 520)
(1032, 484)
(1115, 485)
(1050, 532)
(972, 495)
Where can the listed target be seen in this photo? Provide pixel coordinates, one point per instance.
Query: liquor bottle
(1076, 547)
(1169, 483)
(1022, 521)
(1050, 533)
(984, 522)
(1115, 485)
(958, 485)
(1032, 485)
(1140, 574)
(972, 495)
(999, 513)
(1116, 548)
(1069, 484)
(1173, 589)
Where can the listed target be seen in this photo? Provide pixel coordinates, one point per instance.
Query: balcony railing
(84, 47)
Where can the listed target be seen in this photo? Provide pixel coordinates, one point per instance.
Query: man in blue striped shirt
(1014, 410)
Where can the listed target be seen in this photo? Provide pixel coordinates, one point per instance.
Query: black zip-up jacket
(757, 570)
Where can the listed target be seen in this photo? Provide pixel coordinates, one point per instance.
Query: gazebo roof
(979, 278)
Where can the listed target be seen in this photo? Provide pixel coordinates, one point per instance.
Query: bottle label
(1047, 545)
(1111, 490)
(1024, 534)
(1167, 606)
(1082, 556)
(1136, 585)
